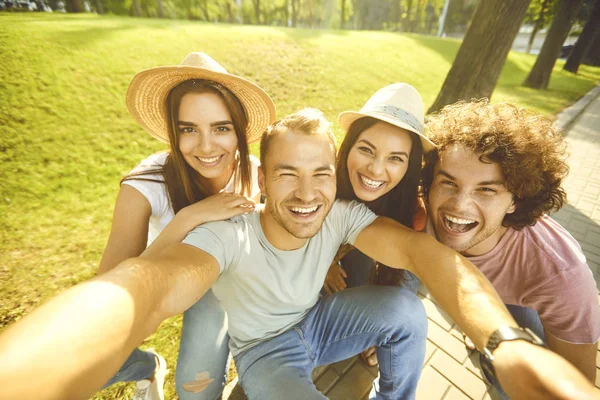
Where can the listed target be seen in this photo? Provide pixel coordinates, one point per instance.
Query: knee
(406, 311)
(203, 386)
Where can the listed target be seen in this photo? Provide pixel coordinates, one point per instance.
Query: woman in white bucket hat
(379, 164)
(208, 117)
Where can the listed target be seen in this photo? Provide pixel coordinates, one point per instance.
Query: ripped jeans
(203, 352)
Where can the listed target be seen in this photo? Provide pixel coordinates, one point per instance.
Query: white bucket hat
(398, 104)
(148, 91)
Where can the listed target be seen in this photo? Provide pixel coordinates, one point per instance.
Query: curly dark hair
(529, 149)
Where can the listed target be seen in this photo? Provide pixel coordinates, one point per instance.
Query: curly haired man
(496, 174)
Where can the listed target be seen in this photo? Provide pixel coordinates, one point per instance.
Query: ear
(511, 209)
(261, 181)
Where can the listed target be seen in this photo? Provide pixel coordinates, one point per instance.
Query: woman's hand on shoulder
(218, 207)
(334, 280)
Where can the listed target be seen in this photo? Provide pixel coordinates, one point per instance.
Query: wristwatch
(507, 334)
(504, 334)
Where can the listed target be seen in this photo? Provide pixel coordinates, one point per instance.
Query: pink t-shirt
(543, 267)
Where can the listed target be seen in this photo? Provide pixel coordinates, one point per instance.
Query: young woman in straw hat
(379, 164)
(208, 117)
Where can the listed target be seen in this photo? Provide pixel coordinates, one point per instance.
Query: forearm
(582, 356)
(174, 232)
(78, 340)
(461, 289)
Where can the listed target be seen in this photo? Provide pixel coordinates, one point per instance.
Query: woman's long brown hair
(400, 203)
(183, 186)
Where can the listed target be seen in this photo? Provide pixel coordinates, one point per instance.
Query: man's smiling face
(468, 201)
(298, 179)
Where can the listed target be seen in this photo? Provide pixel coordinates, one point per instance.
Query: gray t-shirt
(265, 291)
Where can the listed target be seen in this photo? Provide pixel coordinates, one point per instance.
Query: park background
(66, 138)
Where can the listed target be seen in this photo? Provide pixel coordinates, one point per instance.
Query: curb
(565, 118)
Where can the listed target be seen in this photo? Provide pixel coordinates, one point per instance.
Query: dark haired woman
(208, 117)
(379, 164)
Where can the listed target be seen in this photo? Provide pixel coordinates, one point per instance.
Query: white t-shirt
(158, 197)
(264, 290)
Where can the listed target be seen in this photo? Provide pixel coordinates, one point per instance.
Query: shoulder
(151, 163)
(549, 239)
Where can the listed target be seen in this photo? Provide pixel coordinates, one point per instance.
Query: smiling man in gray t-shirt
(285, 333)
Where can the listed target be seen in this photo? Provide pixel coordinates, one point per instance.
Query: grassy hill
(66, 137)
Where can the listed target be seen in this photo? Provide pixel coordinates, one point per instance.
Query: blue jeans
(203, 348)
(526, 318)
(359, 268)
(338, 327)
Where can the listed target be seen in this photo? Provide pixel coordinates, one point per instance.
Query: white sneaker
(152, 390)
(156, 391)
(142, 388)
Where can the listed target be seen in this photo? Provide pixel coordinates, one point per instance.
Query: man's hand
(334, 281)
(530, 372)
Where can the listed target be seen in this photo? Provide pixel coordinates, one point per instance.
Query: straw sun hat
(398, 104)
(148, 91)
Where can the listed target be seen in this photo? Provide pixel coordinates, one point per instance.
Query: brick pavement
(450, 372)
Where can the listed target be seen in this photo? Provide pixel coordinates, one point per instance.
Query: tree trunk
(406, 24)
(230, 13)
(137, 10)
(539, 23)
(534, 32)
(99, 7)
(74, 6)
(295, 7)
(161, 10)
(343, 16)
(539, 76)
(593, 54)
(257, 10)
(590, 31)
(481, 56)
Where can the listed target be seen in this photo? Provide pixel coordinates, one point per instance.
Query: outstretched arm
(525, 370)
(74, 343)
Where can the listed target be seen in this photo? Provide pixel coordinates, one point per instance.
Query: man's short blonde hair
(309, 121)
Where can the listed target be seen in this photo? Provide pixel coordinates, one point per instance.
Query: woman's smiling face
(378, 160)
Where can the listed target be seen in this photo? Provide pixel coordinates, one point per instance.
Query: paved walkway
(450, 372)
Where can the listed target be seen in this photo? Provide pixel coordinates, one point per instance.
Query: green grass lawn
(66, 137)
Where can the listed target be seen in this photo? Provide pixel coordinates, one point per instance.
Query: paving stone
(592, 238)
(598, 378)
(448, 343)
(585, 206)
(342, 366)
(327, 380)
(432, 385)
(353, 385)
(455, 394)
(437, 315)
(459, 376)
(472, 364)
(317, 372)
(457, 332)
(430, 348)
(576, 225)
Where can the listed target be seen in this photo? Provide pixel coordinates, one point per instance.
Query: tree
(593, 54)
(582, 46)
(343, 16)
(256, 4)
(481, 56)
(539, 76)
(136, 9)
(295, 11)
(161, 10)
(541, 13)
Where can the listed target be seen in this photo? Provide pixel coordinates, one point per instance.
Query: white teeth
(370, 182)
(208, 160)
(303, 210)
(459, 220)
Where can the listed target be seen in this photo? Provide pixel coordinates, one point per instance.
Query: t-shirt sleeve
(568, 305)
(219, 239)
(151, 186)
(351, 217)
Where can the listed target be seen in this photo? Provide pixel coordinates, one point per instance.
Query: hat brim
(148, 91)
(347, 118)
